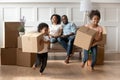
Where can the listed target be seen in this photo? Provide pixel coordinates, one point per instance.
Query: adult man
(67, 37)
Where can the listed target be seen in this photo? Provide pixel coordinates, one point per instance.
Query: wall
(40, 11)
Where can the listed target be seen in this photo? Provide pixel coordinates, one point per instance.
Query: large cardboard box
(104, 37)
(100, 55)
(8, 56)
(84, 37)
(25, 59)
(11, 34)
(19, 42)
(32, 42)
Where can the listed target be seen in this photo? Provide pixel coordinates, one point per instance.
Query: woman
(56, 28)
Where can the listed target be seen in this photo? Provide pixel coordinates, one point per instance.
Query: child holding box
(94, 18)
(42, 56)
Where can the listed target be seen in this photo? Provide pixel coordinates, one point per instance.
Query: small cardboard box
(8, 56)
(100, 55)
(84, 37)
(25, 59)
(32, 42)
(11, 34)
(19, 42)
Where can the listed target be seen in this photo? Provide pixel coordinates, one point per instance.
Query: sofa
(56, 48)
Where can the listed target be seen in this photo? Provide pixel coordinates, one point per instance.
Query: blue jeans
(93, 54)
(53, 40)
(67, 43)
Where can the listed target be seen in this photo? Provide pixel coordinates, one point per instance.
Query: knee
(52, 40)
(59, 39)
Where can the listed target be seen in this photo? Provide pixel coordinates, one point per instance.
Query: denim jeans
(93, 55)
(67, 43)
(53, 40)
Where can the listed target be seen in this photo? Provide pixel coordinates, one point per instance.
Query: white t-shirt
(55, 29)
(46, 45)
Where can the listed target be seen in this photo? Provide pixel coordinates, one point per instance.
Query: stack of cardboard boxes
(24, 58)
(84, 38)
(28, 46)
(12, 53)
(8, 53)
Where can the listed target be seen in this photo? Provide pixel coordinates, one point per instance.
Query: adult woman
(56, 28)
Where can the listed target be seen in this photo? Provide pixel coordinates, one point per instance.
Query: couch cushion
(58, 48)
(55, 46)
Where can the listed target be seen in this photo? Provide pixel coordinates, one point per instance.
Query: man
(67, 37)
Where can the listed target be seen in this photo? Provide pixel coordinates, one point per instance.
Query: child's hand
(46, 38)
(94, 44)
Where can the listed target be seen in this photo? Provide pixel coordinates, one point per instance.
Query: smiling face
(95, 20)
(44, 31)
(64, 19)
(54, 19)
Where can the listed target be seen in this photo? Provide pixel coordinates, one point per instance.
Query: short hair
(94, 13)
(41, 26)
(58, 17)
(65, 16)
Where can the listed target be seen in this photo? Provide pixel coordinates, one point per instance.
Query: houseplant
(21, 28)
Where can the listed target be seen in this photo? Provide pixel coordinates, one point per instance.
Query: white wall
(40, 11)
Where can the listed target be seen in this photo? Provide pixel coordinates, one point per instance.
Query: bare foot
(90, 68)
(34, 66)
(41, 73)
(82, 65)
(67, 60)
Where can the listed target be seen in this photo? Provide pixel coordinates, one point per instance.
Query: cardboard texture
(11, 34)
(8, 56)
(25, 59)
(32, 42)
(104, 37)
(84, 37)
(100, 55)
(19, 42)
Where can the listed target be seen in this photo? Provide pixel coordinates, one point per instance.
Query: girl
(94, 18)
(42, 56)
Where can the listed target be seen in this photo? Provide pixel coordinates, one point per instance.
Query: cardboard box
(8, 56)
(32, 42)
(11, 34)
(104, 37)
(100, 55)
(84, 37)
(19, 42)
(25, 59)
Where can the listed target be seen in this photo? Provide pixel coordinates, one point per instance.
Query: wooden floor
(58, 70)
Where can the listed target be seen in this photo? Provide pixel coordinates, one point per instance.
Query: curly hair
(58, 18)
(41, 26)
(94, 13)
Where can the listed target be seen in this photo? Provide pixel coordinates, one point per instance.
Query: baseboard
(62, 56)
